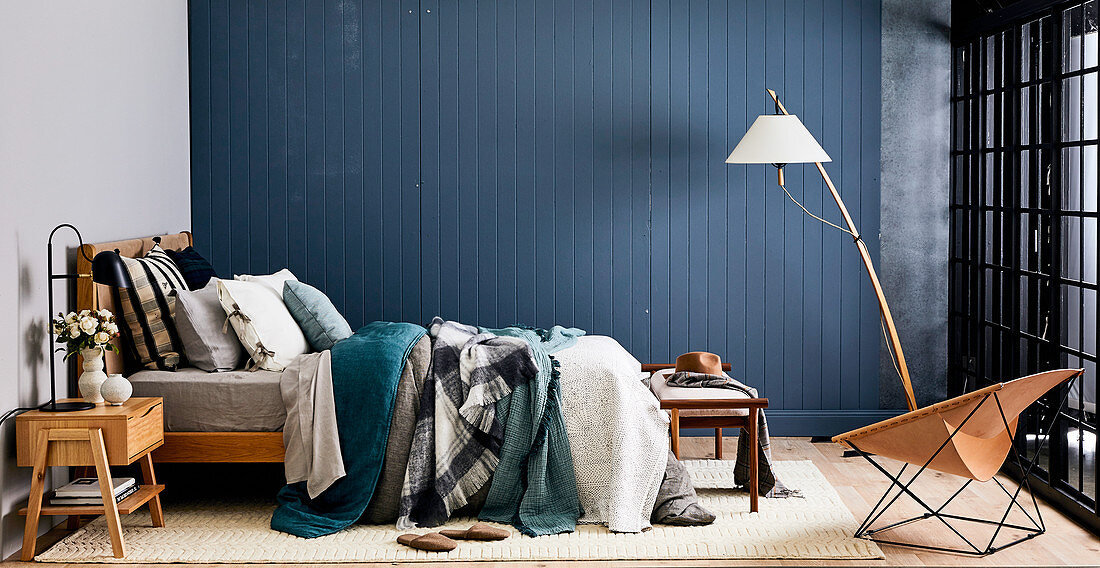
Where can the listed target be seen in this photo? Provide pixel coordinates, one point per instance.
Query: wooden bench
(711, 408)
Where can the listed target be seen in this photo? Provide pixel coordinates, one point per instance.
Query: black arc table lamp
(106, 270)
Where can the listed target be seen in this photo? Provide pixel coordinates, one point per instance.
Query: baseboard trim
(813, 422)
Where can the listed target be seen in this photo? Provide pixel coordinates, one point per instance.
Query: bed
(209, 417)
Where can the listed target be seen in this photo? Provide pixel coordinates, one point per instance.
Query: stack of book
(85, 491)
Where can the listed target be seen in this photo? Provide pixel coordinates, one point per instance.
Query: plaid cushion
(147, 308)
(196, 270)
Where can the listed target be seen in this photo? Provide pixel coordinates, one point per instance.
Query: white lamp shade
(777, 139)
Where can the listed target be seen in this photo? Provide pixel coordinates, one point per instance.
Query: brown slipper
(431, 542)
(480, 531)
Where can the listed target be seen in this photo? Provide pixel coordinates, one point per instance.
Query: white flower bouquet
(85, 330)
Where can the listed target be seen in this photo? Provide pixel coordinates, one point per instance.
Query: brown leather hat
(699, 362)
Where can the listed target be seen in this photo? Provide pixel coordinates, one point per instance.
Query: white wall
(93, 131)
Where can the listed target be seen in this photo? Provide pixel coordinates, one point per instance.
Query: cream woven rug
(817, 526)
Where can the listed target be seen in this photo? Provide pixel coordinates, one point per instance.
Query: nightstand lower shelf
(128, 505)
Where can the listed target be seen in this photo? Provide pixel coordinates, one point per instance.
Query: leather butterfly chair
(969, 436)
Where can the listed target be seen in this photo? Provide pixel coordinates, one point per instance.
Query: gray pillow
(199, 318)
(315, 314)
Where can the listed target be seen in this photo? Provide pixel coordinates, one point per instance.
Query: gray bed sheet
(197, 401)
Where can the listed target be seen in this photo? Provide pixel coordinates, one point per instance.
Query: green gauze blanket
(534, 487)
(366, 368)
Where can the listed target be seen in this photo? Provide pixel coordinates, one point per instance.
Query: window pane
(1043, 124)
(1071, 179)
(1089, 190)
(1025, 178)
(990, 61)
(1071, 109)
(1088, 107)
(1071, 38)
(1071, 318)
(1025, 52)
(1088, 252)
(1090, 34)
(1025, 115)
(990, 120)
(1026, 242)
(1071, 248)
(989, 173)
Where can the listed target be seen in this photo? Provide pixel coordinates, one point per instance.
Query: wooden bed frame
(190, 447)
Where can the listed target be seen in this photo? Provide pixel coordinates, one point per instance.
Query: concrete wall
(916, 183)
(93, 131)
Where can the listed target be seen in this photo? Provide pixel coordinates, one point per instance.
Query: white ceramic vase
(93, 376)
(116, 390)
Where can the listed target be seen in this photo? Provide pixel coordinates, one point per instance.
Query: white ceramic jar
(116, 390)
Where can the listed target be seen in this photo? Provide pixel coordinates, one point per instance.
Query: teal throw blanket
(366, 368)
(534, 487)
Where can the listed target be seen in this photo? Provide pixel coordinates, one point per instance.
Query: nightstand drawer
(129, 431)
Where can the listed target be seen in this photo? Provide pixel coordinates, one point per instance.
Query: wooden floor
(859, 485)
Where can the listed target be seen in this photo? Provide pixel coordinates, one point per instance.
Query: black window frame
(1010, 283)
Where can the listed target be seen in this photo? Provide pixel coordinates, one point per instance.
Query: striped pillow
(147, 308)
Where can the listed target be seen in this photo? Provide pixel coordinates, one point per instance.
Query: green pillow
(315, 314)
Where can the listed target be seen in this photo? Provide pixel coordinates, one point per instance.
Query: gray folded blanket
(768, 485)
(677, 503)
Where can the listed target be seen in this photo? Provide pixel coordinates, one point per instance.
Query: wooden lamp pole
(865, 255)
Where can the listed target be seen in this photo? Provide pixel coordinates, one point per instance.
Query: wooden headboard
(92, 296)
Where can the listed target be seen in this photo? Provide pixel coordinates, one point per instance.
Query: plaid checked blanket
(457, 440)
(769, 485)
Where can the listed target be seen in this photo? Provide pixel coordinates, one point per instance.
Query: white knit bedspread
(618, 434)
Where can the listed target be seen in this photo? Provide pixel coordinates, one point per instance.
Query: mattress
(197, 401)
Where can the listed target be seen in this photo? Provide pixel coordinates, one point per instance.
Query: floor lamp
(780, 139)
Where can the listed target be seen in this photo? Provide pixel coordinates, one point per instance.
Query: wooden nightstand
(100, 437)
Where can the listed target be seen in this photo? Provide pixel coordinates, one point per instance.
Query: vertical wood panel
(408, 190)
(393, 16)
(758, 181)
(544, 133)
(640, 168)
(258, 136)
(661, 284)
(431, 132)
(583, 174)
(296, 225)
(551, 162)
(852, 281)
(775, 215)
(350, 263)
(507, 163)
(678, 185)
(278, 152)
(236, 139)
(313, 86)
(795, 279)
(870, 147)
(833, 250)
(525, 235)
(371, 239)
(813, 189)
(737, 91)
(202, 165)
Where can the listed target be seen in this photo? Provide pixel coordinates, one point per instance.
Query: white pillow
(264, 325)
(275, 281)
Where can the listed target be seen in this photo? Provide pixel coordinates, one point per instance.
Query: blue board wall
(552, 162)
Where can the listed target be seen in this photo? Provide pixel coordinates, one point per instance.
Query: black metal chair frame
(1039, 526)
